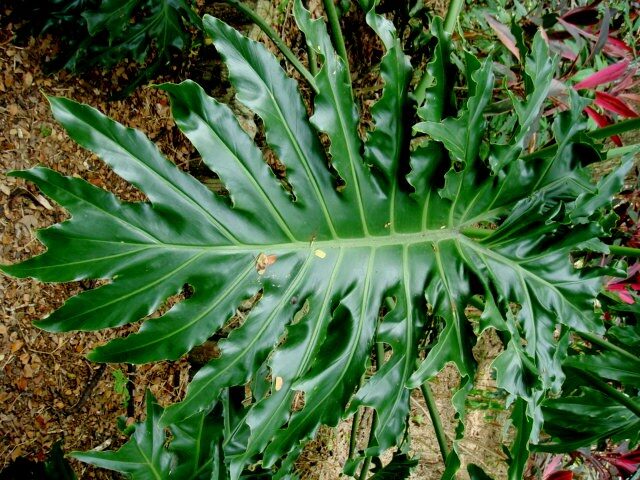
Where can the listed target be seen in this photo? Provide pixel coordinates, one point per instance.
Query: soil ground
(44, 376)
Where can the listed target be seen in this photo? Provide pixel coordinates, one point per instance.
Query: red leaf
(623, 288)
(560, 475)
(504, 35)
(627, 83)
(582, 16)
(633, 455)
(632, 97)
(626, 464)
(617, 48)
(606, 75)
(614, 104)
(602, 121)
(622, 292)
(577, 32)
(559, 47)
(613, 46)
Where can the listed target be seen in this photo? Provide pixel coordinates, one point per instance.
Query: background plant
(383, 248)
(595, 42)
(103, 33)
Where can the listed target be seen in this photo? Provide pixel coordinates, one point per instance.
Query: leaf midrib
(246, 348)
(398, 239)
(148, 462)
(275, 213)
(522, 273)
(353, 158)
(304, 363)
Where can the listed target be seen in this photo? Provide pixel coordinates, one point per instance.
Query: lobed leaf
(586, 417)
(144, 456)
(321, 255)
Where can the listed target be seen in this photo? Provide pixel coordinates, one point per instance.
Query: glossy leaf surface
(161, 23)
(584, 418)
(386, 221)
(143, 456)
(587, 414)
(151, 454)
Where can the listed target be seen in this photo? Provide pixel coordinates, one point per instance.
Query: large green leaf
(591, 410)
(586, 417)
(188, 451)
(144, 456)
(160, 23)
(321, 249)
(103, 33)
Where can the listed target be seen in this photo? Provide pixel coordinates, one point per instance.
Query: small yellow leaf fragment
(263, 261)
(320, 253)
(279, 382)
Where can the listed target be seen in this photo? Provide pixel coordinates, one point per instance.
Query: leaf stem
(616, 128)
(435, 419)
(620, 151)
(313, 61)
(336, 32)
(597, 134)
(455, 6)
(374, 419)
(622, 251)
(609, 391)
(367, 460)
(276, 39)
(601, 342)
(353, 438)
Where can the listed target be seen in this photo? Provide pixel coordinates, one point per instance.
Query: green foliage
(400, 466)
(102, 33)
(56, 467)
(158, 23)
(120, 386)
(391, 219)
(590, 412)
(149, 454)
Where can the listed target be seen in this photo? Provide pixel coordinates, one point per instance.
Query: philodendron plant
(375, 244)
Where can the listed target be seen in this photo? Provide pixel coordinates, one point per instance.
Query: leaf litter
(43, 375)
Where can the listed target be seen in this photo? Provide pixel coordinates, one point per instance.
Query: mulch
(44, 376)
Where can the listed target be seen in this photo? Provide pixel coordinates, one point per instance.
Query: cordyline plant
(372, 244)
